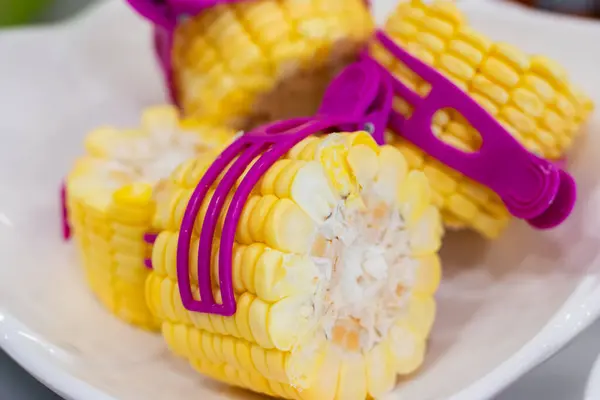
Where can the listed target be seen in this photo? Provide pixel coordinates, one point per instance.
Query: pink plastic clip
(561, 163)
(532, 188)
(165, 13)
(372, 103)
(163, 43)
(351, 99)
(149, 238)
(66, 227)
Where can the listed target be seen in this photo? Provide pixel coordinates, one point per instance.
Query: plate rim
(592, 386)
(58, 380)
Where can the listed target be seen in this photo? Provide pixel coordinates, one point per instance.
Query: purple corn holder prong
(343, 108)
(165, 12)
(66, 227)
(158, 12)
(532, 188)
(561, 162)
(149, 238)
(163, 43)
(373, 103)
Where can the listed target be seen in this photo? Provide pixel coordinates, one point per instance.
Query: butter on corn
(111, 194)
(529, 95)
(335, 267)
(250, 62)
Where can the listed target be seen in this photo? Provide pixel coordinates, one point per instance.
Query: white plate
(592, 391)
(504, 307)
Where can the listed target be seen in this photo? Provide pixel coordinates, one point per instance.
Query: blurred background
(590, 8)
(19, 12)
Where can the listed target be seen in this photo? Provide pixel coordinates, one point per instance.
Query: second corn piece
(250, 62)
(529, 95)
(110, 197)
(335, 267)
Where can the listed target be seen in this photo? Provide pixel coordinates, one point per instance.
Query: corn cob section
(111, 193)
(529, 95)
(257, 61)
(335, 266)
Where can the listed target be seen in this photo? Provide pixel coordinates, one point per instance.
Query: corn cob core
(529, 95)
(261, 60)
(111, 194)
(335, 268)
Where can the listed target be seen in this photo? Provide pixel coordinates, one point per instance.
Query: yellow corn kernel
(529, 95)
(246, 63)
(335, 213)
(111, 196)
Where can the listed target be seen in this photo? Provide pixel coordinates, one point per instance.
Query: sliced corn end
(111, 195)
(252, 62)
(335, 265)
(529, 95)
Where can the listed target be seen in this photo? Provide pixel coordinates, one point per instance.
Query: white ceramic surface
(592, 391)
(503, 308)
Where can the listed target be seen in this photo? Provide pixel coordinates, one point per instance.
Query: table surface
(561, 378)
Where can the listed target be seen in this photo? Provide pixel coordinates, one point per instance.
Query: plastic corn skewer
(529, 96)
(247, 62)
(110, 197)
(532, 188)
(300, 264)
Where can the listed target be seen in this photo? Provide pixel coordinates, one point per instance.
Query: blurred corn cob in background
(111, 193)
(254, 61)
(334, 269)
(529, 95)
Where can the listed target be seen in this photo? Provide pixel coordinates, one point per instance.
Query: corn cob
(529, 95)
(260, 60)
(111, 194)
(335, 267)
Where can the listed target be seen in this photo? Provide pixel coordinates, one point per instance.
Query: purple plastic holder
(353, 99)
(371, 104)
(532, 188)
(164, 15)
(149, 238)
(66, 227)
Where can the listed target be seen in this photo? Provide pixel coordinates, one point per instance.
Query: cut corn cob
(530, 96)
(111, 194)
(260, 60)
(334, 270)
